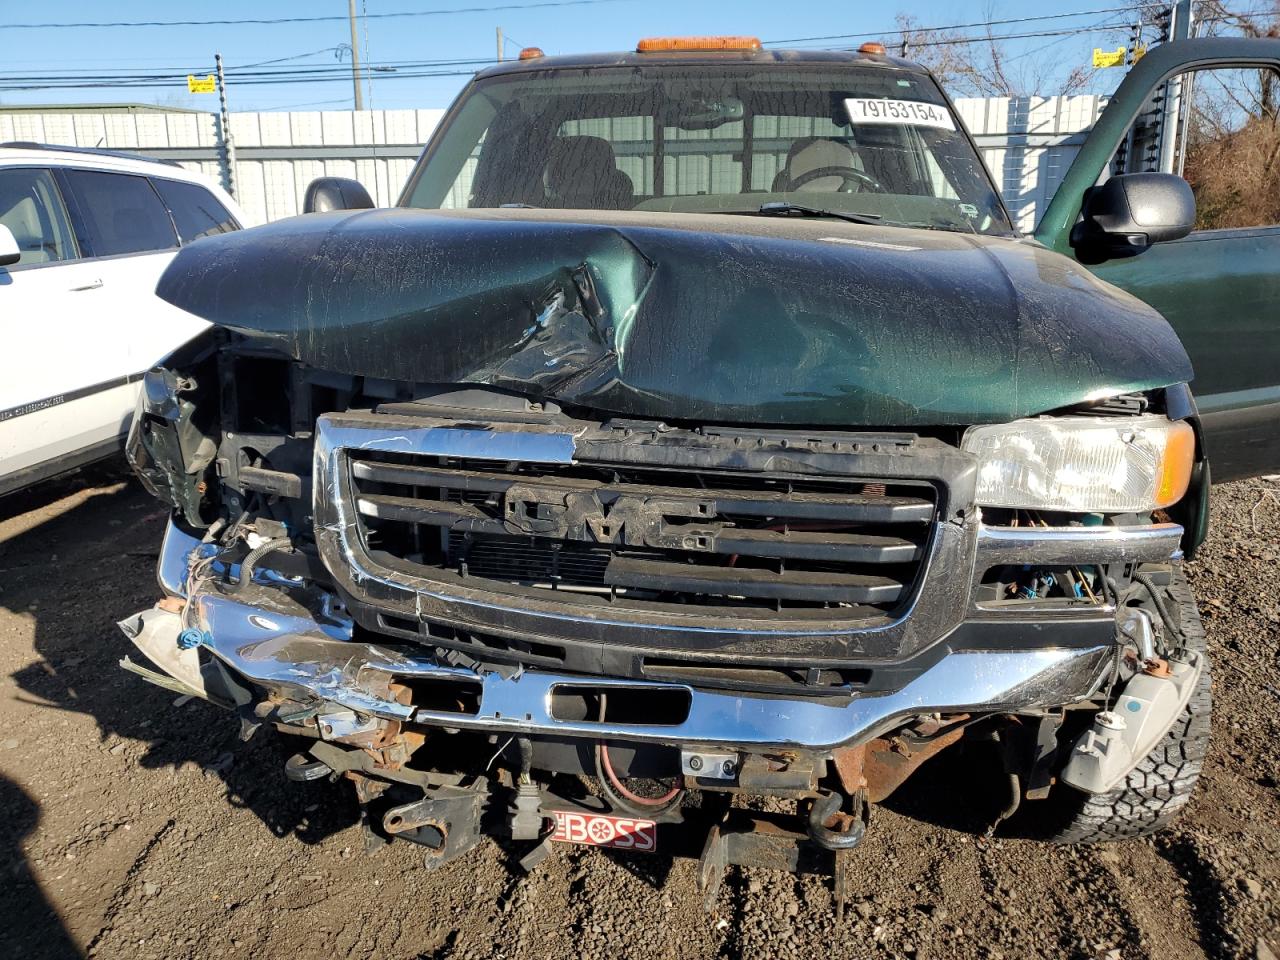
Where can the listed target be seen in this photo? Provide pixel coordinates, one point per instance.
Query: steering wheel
(848, 175)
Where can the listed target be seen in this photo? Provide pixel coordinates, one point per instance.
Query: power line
(243, 70)
(296, 56)
(285, 74)
(281, 71)
(996, 38)
(345, 77)
(956, 26)
(326, 19)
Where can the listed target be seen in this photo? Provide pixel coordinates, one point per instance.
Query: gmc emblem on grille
(590, 517)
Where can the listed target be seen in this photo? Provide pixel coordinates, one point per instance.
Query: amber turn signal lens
(1175, 466)
(658, 44)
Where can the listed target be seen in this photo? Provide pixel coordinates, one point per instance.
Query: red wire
(633, 797)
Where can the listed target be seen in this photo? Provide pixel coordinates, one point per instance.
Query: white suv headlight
(1083, 464)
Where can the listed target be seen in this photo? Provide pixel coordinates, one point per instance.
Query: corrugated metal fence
(1027, 142)
(277, 154)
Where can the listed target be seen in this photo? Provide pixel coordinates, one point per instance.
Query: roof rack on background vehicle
(94, 151)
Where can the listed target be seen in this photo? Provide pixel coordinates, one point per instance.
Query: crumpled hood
(686, 317)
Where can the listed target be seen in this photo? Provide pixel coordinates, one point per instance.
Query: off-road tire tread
(1162, 783)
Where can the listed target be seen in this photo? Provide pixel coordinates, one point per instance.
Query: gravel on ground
(135, 825)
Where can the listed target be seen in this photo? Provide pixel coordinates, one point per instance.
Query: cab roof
(701, 57)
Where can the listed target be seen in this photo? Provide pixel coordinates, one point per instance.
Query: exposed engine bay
(500, 616)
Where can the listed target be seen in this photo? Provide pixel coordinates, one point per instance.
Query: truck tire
(1162, 783)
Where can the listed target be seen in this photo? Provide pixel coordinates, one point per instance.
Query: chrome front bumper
(297, 655)
(269, 640)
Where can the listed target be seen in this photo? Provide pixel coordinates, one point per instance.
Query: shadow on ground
(78, 558)
(80, 561)
(40, 928)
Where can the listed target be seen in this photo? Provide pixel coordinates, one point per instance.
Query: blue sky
(456, 36)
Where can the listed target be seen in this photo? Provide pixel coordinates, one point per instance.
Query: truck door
(1220, 286)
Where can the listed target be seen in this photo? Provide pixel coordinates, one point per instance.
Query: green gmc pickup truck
(699, 425)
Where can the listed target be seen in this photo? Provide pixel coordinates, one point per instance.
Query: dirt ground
(131, 827)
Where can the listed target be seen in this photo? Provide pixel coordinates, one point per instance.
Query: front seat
(23, 221)
(581, 174)
(816, 153)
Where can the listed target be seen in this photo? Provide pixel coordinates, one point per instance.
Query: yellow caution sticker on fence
(1109, 58)
(209, 85)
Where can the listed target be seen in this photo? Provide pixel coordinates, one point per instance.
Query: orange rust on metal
(849, 763)
(172, 604)
(366, 787)
(402, 694)
(385, 735)
(887, 764)
(391, 745)
(840, 822)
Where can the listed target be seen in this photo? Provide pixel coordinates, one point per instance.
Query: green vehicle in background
(699, 425)
(1219, 288)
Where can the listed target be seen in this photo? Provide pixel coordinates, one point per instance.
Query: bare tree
(1233, 125)
(983, 65)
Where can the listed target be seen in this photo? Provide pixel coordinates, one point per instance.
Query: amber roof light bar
(663, 44)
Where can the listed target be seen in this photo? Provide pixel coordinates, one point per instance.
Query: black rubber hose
(1150, 585)
(823, 809)
(253, 556)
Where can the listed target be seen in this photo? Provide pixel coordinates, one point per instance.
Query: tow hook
(300, 768)
(853, 825)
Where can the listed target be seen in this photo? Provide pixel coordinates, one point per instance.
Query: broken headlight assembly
(170, 444)
(1083, 464)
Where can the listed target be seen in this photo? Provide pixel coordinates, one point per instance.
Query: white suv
(84, 236)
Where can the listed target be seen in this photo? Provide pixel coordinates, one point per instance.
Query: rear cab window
(116, 213)
(32, 209)
(196, 211)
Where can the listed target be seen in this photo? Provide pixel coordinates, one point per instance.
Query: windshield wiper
(784, 208)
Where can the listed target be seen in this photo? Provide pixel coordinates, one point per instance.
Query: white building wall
(1027, 142)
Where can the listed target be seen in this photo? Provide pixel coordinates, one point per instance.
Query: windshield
(876, 141)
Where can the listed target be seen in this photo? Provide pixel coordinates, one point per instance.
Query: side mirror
(9, 251)
(1128, 213)
(336, 193)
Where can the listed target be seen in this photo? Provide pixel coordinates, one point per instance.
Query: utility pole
(355, 56)
(1120, 164)
(499, 44)
(224, 122)
(1179, 29)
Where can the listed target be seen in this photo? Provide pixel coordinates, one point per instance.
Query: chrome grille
(650, 538)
